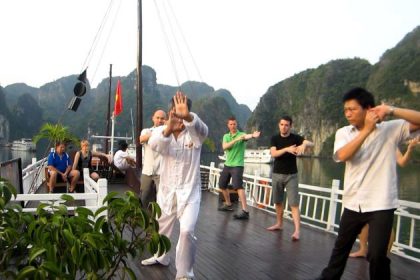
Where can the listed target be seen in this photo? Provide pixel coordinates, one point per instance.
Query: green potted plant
(52, 244)
(54, 133)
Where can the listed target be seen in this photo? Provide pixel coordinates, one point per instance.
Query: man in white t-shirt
(370, 196)
(151, 165)
(122, 159)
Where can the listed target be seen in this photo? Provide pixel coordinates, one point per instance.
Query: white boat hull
(23, 144)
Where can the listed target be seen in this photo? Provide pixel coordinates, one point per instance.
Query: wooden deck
(232, 249)
(243, 249)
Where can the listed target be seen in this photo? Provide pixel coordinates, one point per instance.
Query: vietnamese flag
(118, 100)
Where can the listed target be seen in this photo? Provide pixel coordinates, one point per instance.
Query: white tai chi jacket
(180, 165)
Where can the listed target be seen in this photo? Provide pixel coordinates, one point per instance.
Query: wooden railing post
(88, 188)
(212, 176)
(255, 195)
(102, 193)
(333, 205)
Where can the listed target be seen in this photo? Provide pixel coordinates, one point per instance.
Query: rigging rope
(85, 65)
(185, 41)
(106, 41)
(169, 15)
(167, 43)
(171, 28)
(97, 37)
(173, 23)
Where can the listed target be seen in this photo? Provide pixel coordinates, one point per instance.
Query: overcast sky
(243, 46)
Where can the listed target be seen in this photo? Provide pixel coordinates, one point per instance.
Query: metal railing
(321, 207)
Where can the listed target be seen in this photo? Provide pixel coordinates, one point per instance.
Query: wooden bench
(62, 187)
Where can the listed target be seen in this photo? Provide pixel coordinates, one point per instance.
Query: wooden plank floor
(232, 249)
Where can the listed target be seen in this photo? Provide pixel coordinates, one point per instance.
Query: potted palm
(55, 245)
(54, 133)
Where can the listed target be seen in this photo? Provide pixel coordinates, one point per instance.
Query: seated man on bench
(127, 165)
(60, 168)
(122, 159)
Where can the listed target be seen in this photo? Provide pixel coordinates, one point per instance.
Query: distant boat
(24, 144)
(254, 156)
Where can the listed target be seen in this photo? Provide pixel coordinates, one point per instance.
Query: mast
(139, 115)
(108, 116)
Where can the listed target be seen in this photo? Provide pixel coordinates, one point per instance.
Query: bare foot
(275, 227)
(358, 254)
(295, 236)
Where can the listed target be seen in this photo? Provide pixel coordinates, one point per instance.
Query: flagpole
(108, 113)
(139, 113)
(112, 134)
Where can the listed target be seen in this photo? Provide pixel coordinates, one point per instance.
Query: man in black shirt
(284, 148)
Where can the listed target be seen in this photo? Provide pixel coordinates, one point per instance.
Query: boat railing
(93, 196)
(321, 207)
(32, 175)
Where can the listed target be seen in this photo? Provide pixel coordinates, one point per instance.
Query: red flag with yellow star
(118, 100)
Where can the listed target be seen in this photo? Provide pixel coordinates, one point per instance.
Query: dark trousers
(380, 226)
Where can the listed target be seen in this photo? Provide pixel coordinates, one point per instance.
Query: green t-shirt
(235, 155)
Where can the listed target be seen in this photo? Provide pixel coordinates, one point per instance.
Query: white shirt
(151, 164)
(180, 165)
(370, 178)
(120, 161)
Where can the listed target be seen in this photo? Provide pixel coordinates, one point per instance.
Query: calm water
(312, 171)
(7, 153)
(321, 172)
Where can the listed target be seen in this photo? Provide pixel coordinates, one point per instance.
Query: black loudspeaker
(79, 89)
(74, 103)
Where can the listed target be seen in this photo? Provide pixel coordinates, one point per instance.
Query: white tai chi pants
(186, 247)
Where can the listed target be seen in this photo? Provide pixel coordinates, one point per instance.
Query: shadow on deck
(232, 249)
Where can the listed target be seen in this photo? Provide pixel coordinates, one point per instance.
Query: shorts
(288, 181)
(236, 173)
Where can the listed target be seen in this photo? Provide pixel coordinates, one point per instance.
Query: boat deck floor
(243, 249)
(237, 249)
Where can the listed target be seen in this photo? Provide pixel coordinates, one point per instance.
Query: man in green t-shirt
(234, 144)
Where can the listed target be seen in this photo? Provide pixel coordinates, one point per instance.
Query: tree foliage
(54, 133)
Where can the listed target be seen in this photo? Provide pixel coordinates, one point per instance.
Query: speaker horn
(74, 103)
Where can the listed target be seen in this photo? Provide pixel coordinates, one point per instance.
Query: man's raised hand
(181, 107)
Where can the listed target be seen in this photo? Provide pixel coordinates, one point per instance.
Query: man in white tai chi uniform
(179, 195)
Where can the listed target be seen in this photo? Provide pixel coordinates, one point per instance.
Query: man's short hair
(362, 96)
(122, 145)
(59, 143)
(286, 118)
(172, 104)
(231, 118)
